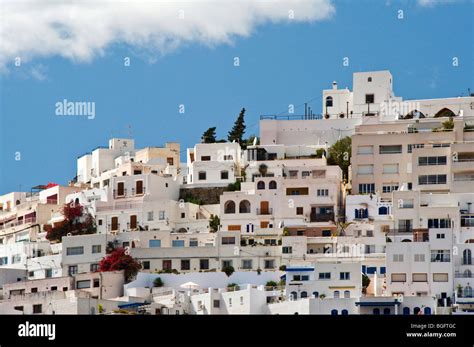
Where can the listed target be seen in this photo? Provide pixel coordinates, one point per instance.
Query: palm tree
(342, 226)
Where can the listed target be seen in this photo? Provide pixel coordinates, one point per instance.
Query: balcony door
(264, 207)
(139, 187)
(114, 223)
(133, 222)
(120, 189)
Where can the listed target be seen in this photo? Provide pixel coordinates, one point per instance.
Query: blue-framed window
(154, 243)
(178, 243)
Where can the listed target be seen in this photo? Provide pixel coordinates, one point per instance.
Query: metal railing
(264, 211)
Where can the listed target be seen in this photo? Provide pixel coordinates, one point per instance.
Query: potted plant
(263, 168)
(229, 270)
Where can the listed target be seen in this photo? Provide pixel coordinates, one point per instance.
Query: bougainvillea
(120, 260)
(76, 222)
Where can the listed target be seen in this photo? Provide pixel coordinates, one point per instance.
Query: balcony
(136, 192)
(321, 217)
(264, 211)
(120, 194)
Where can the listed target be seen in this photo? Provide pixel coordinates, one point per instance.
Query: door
(114, 224)
(120, 189)
(133, 222)
(139, 187)
(264, 207)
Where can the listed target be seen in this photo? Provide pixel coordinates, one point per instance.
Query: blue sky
(280, 64)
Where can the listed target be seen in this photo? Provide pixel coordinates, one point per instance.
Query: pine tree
(209, 136)
(238, 130)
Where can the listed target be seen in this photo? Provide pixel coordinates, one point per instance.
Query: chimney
(334, 85)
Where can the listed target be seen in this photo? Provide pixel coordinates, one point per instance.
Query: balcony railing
(264, 211)
(463, 275)
(136, 192)
(321, 217)
(122, 194)
(19, 222)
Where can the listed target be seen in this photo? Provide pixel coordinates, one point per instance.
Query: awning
(300, 269)
(131, 304)
(378, 303)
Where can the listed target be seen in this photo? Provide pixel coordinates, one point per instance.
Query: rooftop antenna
(129, 131)
(305, 109)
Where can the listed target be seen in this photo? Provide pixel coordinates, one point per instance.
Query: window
(272, 185)
(324, 275)
(185, 264)
(48, 273)
(365, 150)
(439, 223)
(305, 278)
(287, 250)
(347, 295)
(244, 206)
(419, 258)
(229, 207)
(398, 258)
(405, 225)
(228, 240)
(431, 179)
(299, 211)
(369, 98)
(167, 264)
(344, 275)
(406, 203)
(96, 248)
(419, 277)
(390, 168)
(440, 256)
(96, 283)
(154, 243)
(296, 277)
(260, 185)
(146, 265)
(34, 290)
(411, 147)
(193, 243)
(269, 264)
(83, 284)
(183, 215)
(224, 175)
(322, 192)
(369, 79)
(216, 303)
(390, 149)
(75, 250)
(149, 216)
(365, 169)
(427, 161)
(37, 308)
(329, 101)
(230, 302)
(202, 175)
(303, 294)
(161, 215)
(95, 267)
(399, 277)
(440, 277)
(336, 294)
(204, 264)
(72, 270)
(247, 264)
(367, 188)
(54, 288)
(440, 236)
(100, 221)
(389, 187)
(177, 243)
(205, 158)
(226, 263)
(228, 157)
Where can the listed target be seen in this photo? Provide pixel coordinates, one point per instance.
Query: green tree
(209, 136)
(340, 154)
(238, 130)
(214, 223)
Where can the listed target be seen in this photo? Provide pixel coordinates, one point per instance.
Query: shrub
(76, 222)
(119, 260)
(271, 284)
(158, 282)
(229, 270)
(282, 267)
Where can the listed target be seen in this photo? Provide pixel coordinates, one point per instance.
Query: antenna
(129, 131)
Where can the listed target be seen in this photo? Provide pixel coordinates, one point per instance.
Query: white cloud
(431, 3)
(83, 30)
